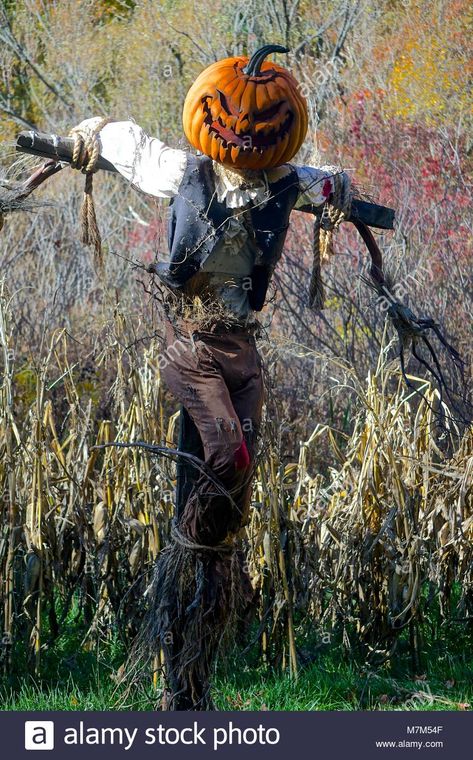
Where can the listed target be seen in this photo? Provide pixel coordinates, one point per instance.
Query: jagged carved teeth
(244, 141)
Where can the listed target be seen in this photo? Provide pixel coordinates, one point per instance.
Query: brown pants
(216, 375)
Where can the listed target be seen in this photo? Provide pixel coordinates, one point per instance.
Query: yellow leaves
(428, 79)
(333, 302)
(420, 79)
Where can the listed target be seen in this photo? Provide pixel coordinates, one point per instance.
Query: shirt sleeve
(316, 185)
(149, 164)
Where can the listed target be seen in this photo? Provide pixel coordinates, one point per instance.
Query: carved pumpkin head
(247, 114)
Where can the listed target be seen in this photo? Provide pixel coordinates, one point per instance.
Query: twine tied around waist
(327, 218)
(85, 155)
(188, 543)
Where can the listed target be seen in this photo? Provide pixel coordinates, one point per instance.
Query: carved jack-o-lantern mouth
(248, 114)
(267, 128)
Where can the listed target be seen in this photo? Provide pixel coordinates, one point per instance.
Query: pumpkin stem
(253, 68)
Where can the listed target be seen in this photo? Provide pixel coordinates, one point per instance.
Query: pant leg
(186, 474)
(244, 363)
(205, 375)
(248, 406)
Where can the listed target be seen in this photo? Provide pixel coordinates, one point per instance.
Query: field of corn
(362, 516)
(363, 551)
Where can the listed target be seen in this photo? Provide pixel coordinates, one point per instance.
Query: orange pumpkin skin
(252, 119)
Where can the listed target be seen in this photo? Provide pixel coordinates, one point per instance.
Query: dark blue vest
(198, 221)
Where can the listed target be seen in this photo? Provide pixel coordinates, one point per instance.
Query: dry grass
(363, 549)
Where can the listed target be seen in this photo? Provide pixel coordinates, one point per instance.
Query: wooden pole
(53, 146)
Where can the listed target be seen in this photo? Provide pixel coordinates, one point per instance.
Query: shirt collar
(237, 190)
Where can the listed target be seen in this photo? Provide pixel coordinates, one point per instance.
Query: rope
(188, 543)
(85, 155)
(327, 218)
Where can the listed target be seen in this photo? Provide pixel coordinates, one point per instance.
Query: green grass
(332, 683)
(75, 678)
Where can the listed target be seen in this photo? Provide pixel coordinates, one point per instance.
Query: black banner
(229, 735)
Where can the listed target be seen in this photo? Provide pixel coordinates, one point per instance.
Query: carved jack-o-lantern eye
(247, 114)
(270, 112)
(227, 104)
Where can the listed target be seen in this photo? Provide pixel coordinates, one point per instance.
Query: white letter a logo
(39, 734)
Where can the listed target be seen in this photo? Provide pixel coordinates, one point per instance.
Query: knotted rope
(85, 155)
(327, 218)
(189, 543)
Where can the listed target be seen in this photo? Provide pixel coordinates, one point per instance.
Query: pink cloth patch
(242, 457)
(327, 188)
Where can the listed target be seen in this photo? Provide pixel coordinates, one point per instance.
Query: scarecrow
(229, 215)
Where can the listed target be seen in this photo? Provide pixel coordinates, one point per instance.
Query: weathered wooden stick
(372, 214)
(60, 148)
(53, 146)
